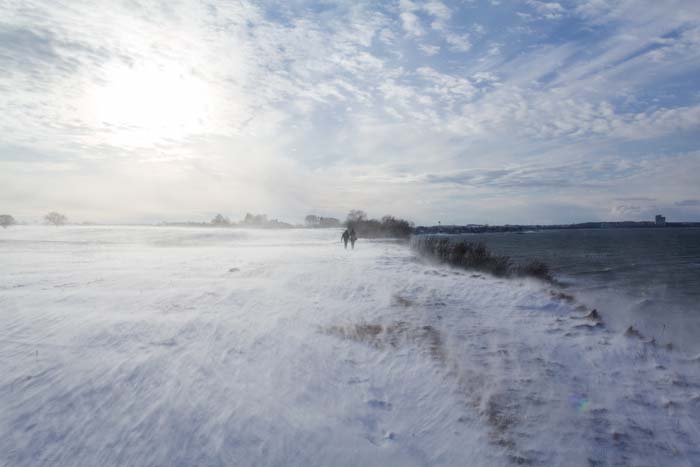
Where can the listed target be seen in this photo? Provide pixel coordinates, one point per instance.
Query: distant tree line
(52, 218)
(387, 227)
(250, 220)
(477, 228)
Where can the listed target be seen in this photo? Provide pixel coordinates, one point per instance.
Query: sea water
(648, 278)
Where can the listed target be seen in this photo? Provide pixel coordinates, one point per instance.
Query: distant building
(660, 220)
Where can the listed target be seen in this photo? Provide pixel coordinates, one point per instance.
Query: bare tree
(7, 220)
(221, 220)
(55, 218)
(356, 215)
(312, 220)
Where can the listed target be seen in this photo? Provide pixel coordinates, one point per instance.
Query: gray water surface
(652, 273)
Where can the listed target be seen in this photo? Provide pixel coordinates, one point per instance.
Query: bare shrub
(475, 255)
(6, 220)
(55, 218)
(463, 254)
(537, 269)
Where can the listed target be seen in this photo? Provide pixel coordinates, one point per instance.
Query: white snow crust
(159, 346)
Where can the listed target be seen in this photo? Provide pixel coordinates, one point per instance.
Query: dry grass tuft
(394, 335)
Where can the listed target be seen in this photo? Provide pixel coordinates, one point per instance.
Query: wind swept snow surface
(184, 346)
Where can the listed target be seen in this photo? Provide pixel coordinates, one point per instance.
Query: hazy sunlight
(144, 105)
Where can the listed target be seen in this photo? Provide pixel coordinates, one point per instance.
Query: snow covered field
(154, 346)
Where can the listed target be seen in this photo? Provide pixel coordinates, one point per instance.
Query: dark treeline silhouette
(387, 227)
(475, 255)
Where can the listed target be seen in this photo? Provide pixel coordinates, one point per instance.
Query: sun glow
(144, 105)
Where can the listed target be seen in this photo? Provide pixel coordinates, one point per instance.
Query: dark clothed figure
(353, 238)
(345, 237)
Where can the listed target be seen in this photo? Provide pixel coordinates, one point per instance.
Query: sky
(472, 111)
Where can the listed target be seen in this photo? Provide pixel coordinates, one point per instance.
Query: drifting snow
(184, 346)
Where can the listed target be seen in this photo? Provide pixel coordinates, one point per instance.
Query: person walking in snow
(353, 238)
(345, 237)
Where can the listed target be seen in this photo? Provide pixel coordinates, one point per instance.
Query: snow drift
(185, 346)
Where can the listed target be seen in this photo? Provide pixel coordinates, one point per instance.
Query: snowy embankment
(183, 346)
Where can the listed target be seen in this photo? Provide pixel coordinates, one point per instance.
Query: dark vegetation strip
(474, 255)
(387, 227)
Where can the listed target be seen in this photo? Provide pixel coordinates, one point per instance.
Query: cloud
(636, 198)
(547, 10)
(411, 24)
(578, 174)
(350, 103)
(688, 203)
(479, 29)
(439, 11)
(458, 42)
(623, 211)
(440, 15)
(429, 50)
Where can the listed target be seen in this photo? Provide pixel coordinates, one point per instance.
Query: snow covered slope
(183, 346)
